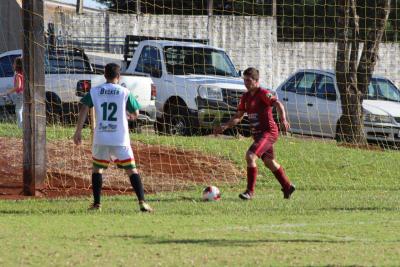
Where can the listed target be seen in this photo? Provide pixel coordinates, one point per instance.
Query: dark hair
(252, 73)
(18, 64)
(112, 71)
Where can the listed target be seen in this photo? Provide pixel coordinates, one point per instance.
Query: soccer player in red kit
(258, 103)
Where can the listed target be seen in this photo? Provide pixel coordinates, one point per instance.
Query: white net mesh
(181, 60)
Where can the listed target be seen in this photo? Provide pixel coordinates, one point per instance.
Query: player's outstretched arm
(282, 115)
(79, 126)
(232, 122)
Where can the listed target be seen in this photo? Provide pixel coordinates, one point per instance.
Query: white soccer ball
(211, 193)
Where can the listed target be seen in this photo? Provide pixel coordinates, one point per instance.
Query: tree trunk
(371, 46)
(349, 128)
(353, 77)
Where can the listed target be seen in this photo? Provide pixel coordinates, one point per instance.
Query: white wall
(10, 25)
(250, 41)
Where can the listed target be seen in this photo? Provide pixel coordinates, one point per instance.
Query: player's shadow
(130, 236)
(226, 242)
(152, 240)
(362, 209)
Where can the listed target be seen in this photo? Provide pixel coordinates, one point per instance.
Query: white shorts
(120, 155)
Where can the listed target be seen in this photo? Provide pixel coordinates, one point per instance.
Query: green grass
(314, 228)
(345, 212)
(317, 164)
(52, 132)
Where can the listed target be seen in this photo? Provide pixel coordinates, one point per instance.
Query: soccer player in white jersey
(112, 104)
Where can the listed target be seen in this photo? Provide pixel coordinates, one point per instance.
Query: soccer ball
(211, 193)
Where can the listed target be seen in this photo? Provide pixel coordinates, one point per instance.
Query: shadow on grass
(135, 210)
(226, 242)
(126, 236)
(152, 240)
(38, 212)
(362, 209)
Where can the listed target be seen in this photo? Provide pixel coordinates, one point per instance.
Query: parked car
(311, 98)
(68, 76)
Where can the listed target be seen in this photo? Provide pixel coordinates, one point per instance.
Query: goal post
(34, 122)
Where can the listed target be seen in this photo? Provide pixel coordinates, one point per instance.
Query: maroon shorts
(263, 145)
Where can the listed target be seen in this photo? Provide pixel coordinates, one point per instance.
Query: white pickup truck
(68, 75)
(197, 84)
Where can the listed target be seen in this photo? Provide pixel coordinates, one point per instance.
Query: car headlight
(210, 92)
(377, 118)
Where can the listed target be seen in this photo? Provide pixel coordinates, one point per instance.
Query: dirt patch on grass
(69, 170)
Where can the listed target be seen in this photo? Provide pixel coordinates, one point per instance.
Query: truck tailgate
(64, 85)
(139, 86)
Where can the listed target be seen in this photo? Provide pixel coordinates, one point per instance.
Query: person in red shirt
(17, 91)
(258, 102)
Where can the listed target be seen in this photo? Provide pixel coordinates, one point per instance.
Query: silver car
(312, 102)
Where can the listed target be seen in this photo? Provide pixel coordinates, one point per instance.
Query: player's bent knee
(271, 164)
(251, 154)
(251, 157)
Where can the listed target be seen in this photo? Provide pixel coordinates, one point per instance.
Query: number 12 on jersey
(109, 111)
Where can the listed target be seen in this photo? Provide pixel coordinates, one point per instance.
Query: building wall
(11, 28)
(250, 41)
(10, 25)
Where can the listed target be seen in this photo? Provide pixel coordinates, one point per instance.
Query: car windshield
(63, 61)
(197, 60)
(383, 89)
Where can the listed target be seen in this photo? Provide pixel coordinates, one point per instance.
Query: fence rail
(113, 45)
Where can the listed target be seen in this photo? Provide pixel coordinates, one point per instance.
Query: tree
(353, 73)
(314, 20)
(192, 7)
(393, 31)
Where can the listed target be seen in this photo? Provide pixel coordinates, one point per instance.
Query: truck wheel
(53, 109)
(69, 113)
(245, 132)
(160, 126)
(135, 127)
(178, 123)
(53, 114)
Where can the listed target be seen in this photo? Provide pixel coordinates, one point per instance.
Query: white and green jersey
(111, 102)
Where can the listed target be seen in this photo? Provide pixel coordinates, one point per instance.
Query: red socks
(279, 174)
(282, 178)
(251, 178)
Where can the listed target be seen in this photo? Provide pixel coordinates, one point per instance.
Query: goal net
(330, 63)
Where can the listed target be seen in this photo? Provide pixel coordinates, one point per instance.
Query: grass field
(345, 212)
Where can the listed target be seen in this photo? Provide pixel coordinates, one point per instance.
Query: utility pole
(34, 118)
(138, 7)
(79, 6)
(274, 8)
(210, 7)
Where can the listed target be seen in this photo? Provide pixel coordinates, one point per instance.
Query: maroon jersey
(259, 111)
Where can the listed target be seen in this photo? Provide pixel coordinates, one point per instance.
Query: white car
(68, 75)
(311, 99)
